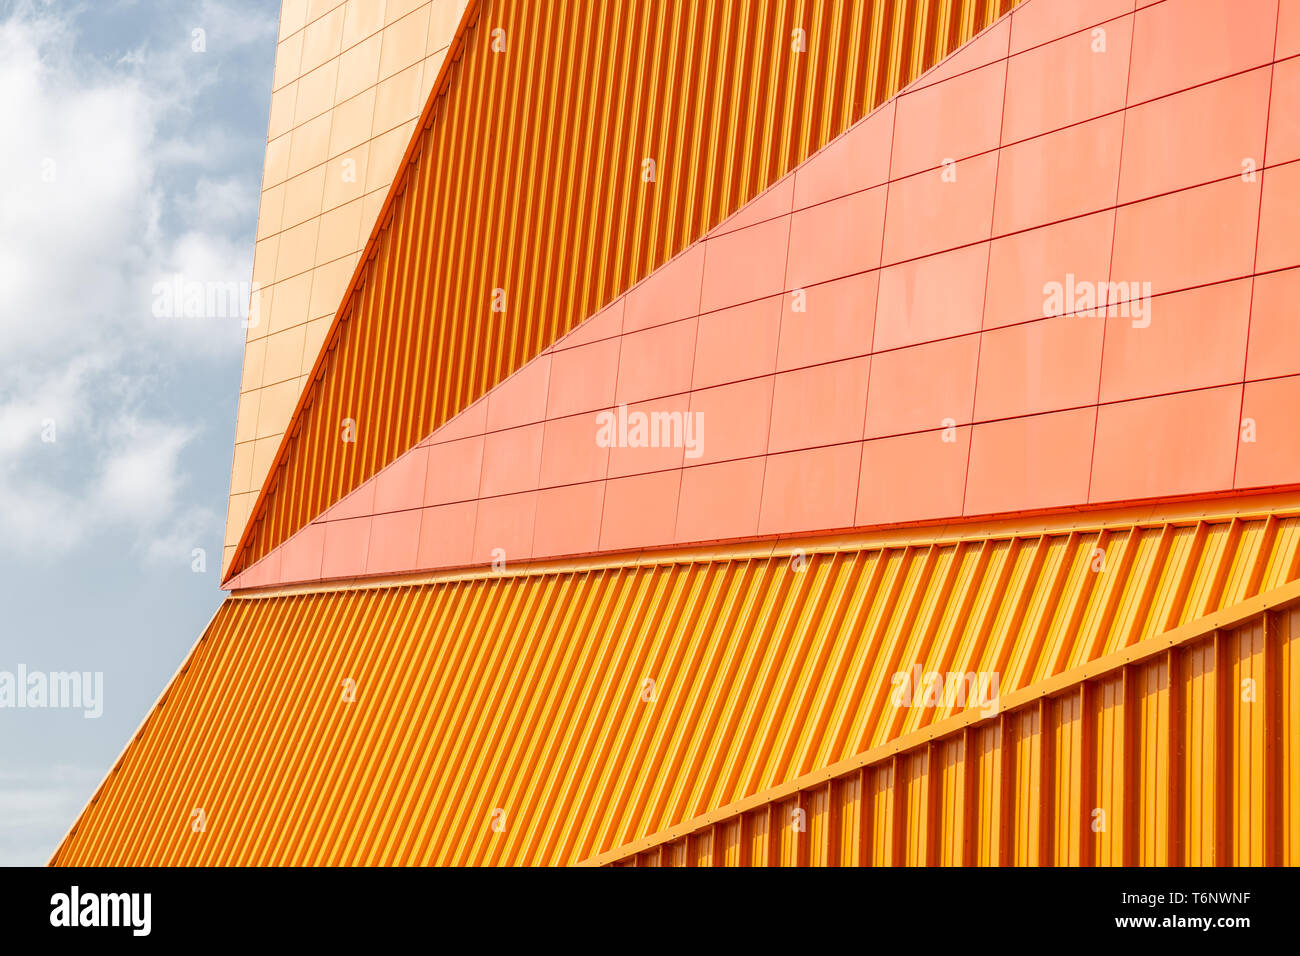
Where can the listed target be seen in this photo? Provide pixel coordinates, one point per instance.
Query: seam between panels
(1110, 261)
(776, 359)
(988, 265)
(875, 305)
(1259, 221)
(699, 302)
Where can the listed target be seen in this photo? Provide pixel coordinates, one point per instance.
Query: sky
(133, 138)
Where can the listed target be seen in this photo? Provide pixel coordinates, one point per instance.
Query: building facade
(758, 432)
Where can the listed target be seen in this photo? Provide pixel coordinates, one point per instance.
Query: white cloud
(111, 184)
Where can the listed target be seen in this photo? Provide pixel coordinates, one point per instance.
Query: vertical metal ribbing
(1222, 748)
(1273, 766)
(933, 805)
(1006, 792)
(834, 821)
(969, 803)
(1087, 774)
(1174, 747)
(745, 856)
(865, 817)
(1046, 787)
(803, 841)
(773, 835)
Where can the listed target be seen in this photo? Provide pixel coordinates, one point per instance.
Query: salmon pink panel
(302, 555)
(744, 265)
(831, 321)
(394, 542)
(572, 451)
(347, 544)
(520, 399)
(401, 484)
(940, 209)
(720, 501)
(1288, 31)
(1040, 22)
(504, 528)
(897, 405)
(1279, 239)
(1183, 43)
(656, 362)
(737, 343)
(1041, 461)
(817, 488)
(821, 405)
(1063, 174)
(1036, 274)
(582, 379)
(857, 160)
(447, 535)
(1188, 238)
(1076, 78)
(454, 472)
(835, 239)
(1270, 441)
(932, 298)
(512, 460)
(731, 421)
(1274, 330)
(568, 520)
(1165, 146)
(1186, 340)
(670, 293)
(1039, 367)
(640, 511)
(1284, 114)
(913, 477)
(636, 458)
(951, 120)
(1174, 444)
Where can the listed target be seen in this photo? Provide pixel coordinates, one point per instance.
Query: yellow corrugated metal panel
(526, 178)
(1174, 754)
(593, 706)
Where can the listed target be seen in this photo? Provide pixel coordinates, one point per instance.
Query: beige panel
(351, 77)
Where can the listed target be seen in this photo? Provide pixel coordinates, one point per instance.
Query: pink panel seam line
(1259, 218)
(988, 268)
(1110, 266)
(776, 359)
(699, 304)
(1213, 386)
(875, 305)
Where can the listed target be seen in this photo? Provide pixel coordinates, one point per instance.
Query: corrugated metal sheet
(526, 177)
(526, 694)
(1178, 752)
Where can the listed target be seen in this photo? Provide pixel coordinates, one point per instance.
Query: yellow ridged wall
(1187, 757)
(525, 175)
(526, 693)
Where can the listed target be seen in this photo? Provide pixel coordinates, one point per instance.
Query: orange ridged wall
(526, 693)
(1185, 767)
(526, 176)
